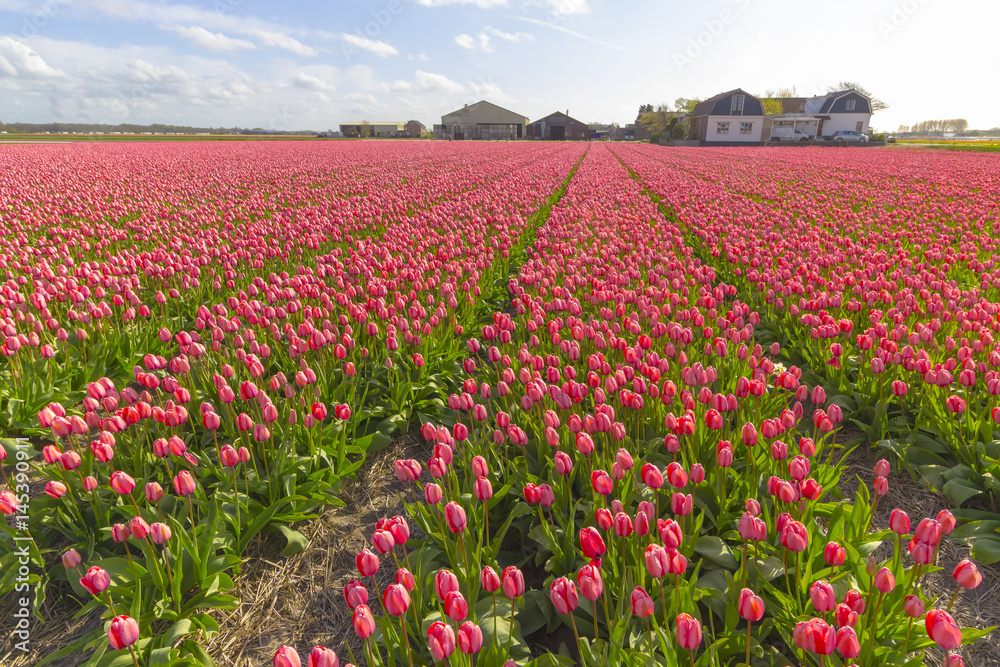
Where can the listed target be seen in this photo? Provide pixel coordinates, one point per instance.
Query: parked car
(850, 135)
(787, 134)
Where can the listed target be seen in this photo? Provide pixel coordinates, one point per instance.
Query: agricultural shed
(482, 120)
(559, 126)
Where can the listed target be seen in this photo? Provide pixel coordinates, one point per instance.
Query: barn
(482, 120)
(559, 126)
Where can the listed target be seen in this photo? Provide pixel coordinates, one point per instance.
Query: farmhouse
(373, 128)
(733, 116)
(823, 115)
(482, 120)
(559, 126)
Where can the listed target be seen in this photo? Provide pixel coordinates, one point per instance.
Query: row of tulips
(224, 377)
(877, 274)
(716, 537)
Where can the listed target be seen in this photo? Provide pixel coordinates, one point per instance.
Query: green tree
(877, 104)
(685, 114)
(657, 119)
(772, 100)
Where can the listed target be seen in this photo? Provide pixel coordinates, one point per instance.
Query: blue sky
(302, 64)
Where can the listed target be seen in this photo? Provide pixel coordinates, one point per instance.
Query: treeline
(952, 125)
(156, 128)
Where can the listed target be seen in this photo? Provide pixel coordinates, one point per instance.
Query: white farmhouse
(735, 116)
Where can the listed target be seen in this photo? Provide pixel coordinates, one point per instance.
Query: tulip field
(634, 373)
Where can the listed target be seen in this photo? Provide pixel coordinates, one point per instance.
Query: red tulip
(590, 581)
(750, 606)
(367, 563)
(184, 483)
(364, 623)
(454, 516)
(470, 638)
(847, 643)
(96, 580)
(941, 627)
(642, 604)
(564, 596)
(815, 636)
(688, 632)
(490, 580)
(440, 640)
(513, 582)
(591, 543)
(967, 574)
(455, 606)
(122, 632)
(322, 657)
(395, 599)
(355, 593)
(445, 582)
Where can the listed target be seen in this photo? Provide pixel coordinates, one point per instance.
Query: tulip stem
(135, 660)
(906, 642)
(953, 596)
(572, 622)
(191, 513)
(236, 495)
(748, 642)
(510, 634)
(406, 639)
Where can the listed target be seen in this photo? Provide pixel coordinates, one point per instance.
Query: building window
(861, 126)
(850, 105)
(722, 128)
(746, 128)
(737, 104)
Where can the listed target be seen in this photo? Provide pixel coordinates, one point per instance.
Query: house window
(722, 128)
(861, 126)
(737, 104)
(850, 105)
(746, 128)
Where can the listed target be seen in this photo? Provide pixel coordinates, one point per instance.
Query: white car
(785, 134)
(850, 135)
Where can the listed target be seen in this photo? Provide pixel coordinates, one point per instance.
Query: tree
(685, 112)
(366, 129)
(657, 119)
(644, 109)
(877, 104)
(772, 100)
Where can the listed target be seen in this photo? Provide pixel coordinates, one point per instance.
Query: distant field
(989, 146)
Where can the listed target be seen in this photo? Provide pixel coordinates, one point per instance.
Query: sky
(307, 64)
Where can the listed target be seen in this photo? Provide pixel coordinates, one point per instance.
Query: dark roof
(559, 115)
(721, 105)
(835, 102)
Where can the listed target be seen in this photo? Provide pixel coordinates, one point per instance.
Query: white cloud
(432, 83)
(381, 49)
(213, 41)
(168, 16)
(483, 40)
(310, 82)
(482, 4)
(567, 7)
(17, 59)
(465, 41)
(282, 41)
